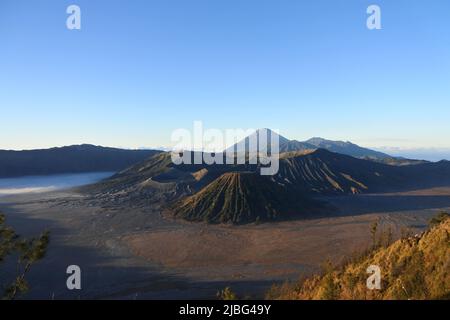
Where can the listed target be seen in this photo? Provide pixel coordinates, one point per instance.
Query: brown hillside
(411, 268)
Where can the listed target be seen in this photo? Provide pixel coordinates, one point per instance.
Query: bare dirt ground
(135, 253)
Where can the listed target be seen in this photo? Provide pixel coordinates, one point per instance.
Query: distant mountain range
(237, 194)
(347, 148)
(71, 159)
(90, 158)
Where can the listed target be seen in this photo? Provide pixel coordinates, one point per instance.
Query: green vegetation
(227, 294)
(27, 252)
(414, 267)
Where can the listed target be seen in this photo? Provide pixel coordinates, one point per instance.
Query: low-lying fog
(29, 184)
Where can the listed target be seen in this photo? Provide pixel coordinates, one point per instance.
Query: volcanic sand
(129, 252)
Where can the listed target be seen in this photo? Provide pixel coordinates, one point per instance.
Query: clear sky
(137, 70)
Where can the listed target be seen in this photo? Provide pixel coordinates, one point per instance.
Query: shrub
(28, 252)
(227, 294)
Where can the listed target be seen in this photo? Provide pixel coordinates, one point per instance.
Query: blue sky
(137, 70)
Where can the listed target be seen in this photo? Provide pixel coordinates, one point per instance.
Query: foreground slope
(415, 267)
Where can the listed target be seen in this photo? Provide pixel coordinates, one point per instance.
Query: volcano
(240, 197)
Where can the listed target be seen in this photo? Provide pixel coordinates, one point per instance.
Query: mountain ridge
(286, 145)
(68, 159)
(305, 175)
